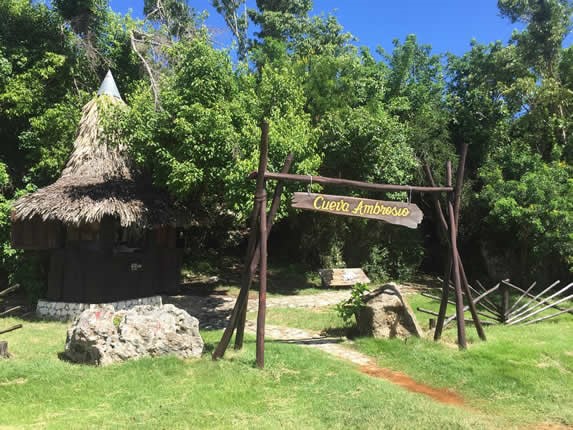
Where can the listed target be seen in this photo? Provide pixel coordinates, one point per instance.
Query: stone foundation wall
(64, 311)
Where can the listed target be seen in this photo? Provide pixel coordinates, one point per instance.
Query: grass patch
(315, 319)
(299, 388)
(522, 372)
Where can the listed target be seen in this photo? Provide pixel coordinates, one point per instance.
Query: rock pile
(103, 336)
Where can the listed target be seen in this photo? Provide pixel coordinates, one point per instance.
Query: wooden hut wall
(35, 234)
(86, 273)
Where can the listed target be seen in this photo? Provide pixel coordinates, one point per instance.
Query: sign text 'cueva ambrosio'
(406, 214)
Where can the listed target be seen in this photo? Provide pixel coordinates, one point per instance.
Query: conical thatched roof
(97, 180)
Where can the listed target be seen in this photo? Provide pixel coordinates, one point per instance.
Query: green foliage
(49, 139)
(333, 257)
(415, 92)
(176, 16)
(236, 21)
(347, 309)
(530, 206)
(366, 145)
(195, 114)
(548, 23)
(17, 267)
(8, 255)
(376, 265)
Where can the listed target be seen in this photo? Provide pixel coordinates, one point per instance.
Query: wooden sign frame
(261, 224)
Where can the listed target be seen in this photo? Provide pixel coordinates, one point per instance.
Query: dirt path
(213, 312)
(336, 346)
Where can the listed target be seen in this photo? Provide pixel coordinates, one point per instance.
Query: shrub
(348, 308)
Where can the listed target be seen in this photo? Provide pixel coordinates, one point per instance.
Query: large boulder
(386, 314)
(103, 336)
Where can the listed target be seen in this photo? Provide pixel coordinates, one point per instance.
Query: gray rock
(386, 314)
(102, 336)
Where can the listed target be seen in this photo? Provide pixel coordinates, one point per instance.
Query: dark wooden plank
(73, 279)
(56, 274)
(9, 290)
(399, 213)
(10, 310)
(9, 329)
(96, 286)
(290, 177)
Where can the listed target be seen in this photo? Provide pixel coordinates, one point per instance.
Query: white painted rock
(103, 336)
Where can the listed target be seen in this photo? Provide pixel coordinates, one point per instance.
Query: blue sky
(446, 25)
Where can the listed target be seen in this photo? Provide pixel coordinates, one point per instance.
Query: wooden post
(444, 300)
(3, 349)
(459, 182)
(457, 204)
(9, 329)
(471, 302)
(457, 281)
(504, 302)
(262, 281)
(243, 293)
(252, 263)
(442, 227)
(453, 230)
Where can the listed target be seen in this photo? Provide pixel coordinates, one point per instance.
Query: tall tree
(237, 21)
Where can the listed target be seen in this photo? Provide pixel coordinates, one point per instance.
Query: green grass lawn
(314, 319)
(521, 377)
(299, 388)
(524, 373)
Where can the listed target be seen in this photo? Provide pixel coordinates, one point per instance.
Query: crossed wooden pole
(261, 224)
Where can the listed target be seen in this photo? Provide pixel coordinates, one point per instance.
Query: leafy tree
(281, 19)
(529, 206)
(237, 23)
(177, 17)
(548, 23)
(415, 91)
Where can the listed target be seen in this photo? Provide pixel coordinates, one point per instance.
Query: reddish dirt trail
(440, 395)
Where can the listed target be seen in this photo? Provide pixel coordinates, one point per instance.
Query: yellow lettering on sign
(358, 208)
(362, 208)
(316, 202)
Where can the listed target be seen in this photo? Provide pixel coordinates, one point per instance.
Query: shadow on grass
(309, 341)
(282, 279)
(211, 310)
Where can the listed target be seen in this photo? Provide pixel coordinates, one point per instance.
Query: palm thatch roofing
(97, 180)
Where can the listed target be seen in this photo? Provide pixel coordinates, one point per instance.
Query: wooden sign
(405, 214)
(342, 277)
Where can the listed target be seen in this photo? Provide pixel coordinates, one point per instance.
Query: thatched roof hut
(98, 179)
(108, 234)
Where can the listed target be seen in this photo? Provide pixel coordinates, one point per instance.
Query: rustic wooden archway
(261, 224)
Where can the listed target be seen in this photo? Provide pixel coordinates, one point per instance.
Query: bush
(348, 308)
